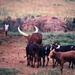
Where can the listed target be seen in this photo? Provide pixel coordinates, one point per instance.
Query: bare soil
(12, 55)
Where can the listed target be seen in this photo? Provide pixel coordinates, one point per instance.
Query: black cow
(41, 55)
(47, 51)
(44, 52)
(32, 53)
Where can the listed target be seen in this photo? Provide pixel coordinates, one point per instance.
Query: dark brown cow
(32, 51)
(35, 38)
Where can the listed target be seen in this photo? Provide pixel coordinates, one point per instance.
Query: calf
(64, 48)
(63, 57)
(47, 51)
(32, 52)
(44, 52)
(41, 55)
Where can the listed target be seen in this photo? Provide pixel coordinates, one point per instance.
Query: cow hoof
(46, 65)
(37, 67)
(32, 66)
(43, 66)
(53, 66)
(28, 64)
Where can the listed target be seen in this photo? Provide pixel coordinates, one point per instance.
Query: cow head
(34, 37)
(56, 45)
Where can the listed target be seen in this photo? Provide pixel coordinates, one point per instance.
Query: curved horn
(22, 32)
(36, 29)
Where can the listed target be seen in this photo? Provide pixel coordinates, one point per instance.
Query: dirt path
(12, 52)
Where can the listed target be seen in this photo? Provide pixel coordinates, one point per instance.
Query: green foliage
(1, 41)
(12, 33)
(7, 71)
(61, 37)
(1, 21)
(49, 38)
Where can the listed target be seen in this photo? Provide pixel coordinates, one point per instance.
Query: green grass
(1, 21)
(7, 71)
(64, 38)
(67, 38)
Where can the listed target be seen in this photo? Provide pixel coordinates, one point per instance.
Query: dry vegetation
(21, 8)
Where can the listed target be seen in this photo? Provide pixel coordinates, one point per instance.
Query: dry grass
(21, 8)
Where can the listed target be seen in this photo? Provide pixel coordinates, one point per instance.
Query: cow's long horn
(36, 29)
(24, 34)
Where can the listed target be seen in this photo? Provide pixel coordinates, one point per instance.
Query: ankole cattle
(32, 49)
(35, 37)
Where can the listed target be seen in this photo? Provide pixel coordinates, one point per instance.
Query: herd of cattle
(38, 54)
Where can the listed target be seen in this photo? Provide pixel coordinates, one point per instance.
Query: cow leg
(43, 61)
(37, 61)
(56, 63)
(53, 62)
(69, 64)
(40, 61)
(32, 61)
(47, 61)
(61, 67)
(28, 60)
(72, 64)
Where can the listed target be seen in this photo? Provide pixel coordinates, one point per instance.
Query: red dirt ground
(12, 53)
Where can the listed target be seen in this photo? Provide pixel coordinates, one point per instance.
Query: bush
(1, 41)
(70, 23)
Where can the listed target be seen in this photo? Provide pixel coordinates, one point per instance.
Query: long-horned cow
(35, 37)
(34, 40)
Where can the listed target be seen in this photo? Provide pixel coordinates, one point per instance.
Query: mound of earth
(45, 23)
